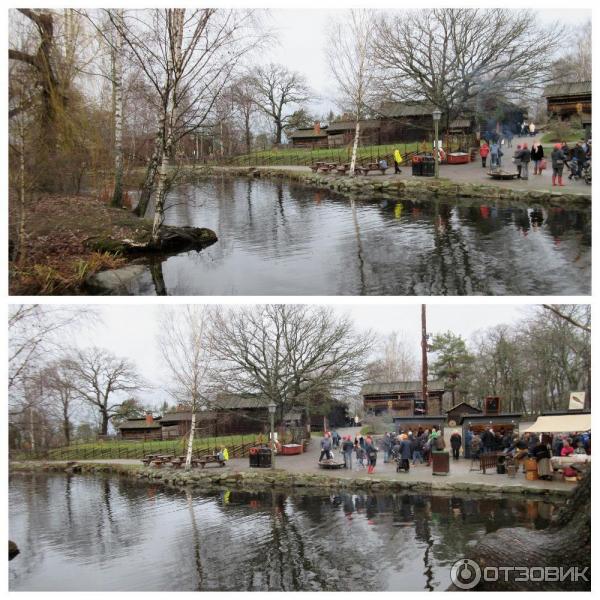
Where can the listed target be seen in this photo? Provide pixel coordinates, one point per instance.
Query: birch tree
(350, 60)
(188, 57)
(185, 348)
(117, 98)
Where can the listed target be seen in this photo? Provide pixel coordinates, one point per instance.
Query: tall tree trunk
(278, 132)
(354, 149)
(117, 83)
(66, 425)
(248, 133)
(19, 252)
(190, 448)
(151, 172)
(104, 425)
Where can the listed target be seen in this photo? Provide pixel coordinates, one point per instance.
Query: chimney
(149, 418)
(317, 127)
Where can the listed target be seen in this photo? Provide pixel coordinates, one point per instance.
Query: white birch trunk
(190, 448)
(354, 149)
(117, 82)
(20, 253)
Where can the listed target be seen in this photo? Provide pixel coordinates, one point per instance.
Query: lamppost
(272, 408)
(437, 114)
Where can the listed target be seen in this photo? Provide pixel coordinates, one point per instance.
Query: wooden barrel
(531, 464)
(531, 475)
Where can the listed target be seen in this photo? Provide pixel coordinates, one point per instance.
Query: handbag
(543, 164)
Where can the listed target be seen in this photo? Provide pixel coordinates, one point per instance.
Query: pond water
(104, 533)
(279, 238)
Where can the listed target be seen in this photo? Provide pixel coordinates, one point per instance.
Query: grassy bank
(139, 449)
(55, 256)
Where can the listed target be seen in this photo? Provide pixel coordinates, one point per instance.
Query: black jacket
(525, 155)
(537, 153)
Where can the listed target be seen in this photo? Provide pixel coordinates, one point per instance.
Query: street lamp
(272, 408)
(436, 114)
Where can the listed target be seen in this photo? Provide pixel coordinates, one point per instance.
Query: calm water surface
(280, 238)
(95, 533)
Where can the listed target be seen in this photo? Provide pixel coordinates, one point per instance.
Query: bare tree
(185, 348)
(287, 353)
(102, 380)
(351, 62)
(33, 334)
(575, 62)
(278, 90)
(188, 57)
(243, 97)
(59, 395)
(455, 57)
(395, 360)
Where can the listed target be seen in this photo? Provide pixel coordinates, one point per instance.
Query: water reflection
(282, 238)
(85, 533)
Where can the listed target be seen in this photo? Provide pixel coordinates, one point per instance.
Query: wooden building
(567, 100)
(309, 137)
(455, 414)
(404, 398)
(144, 428)
(341, 133)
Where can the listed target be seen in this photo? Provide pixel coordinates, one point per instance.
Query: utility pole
(424, 356)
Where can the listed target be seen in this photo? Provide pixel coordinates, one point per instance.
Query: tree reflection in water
(93, 533)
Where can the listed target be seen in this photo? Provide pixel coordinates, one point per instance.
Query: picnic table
(366, 169)
(323, 166)
(208, 459)
(157, 459)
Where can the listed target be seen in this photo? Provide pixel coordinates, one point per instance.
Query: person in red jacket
(567, 449)
(484, 150)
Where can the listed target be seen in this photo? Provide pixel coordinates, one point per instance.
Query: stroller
(580, 172)
(402, 464)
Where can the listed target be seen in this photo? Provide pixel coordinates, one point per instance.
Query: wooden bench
(366, 169)
(343, 168)
(209, 459)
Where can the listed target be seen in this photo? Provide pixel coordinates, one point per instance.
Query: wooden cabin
(404, 398)
(341, 133)
(142, 429)
(309, 137)
(566, 100)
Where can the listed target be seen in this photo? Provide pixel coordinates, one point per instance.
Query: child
(360, 457)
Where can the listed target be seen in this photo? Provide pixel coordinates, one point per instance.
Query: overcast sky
(131, 330)
(302, 38)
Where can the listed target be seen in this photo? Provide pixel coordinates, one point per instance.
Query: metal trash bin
(440, 462)
(253, 456)
(417, 168)
(428, 166)
(264, 458)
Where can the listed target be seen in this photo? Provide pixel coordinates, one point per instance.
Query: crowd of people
(575, 158)
(414, 448)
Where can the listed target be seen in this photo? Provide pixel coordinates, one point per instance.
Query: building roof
(562, 423)
(407, 109)
(484, 417)
(401, 386)
(186, 415)
(235, 402)
(308, 132)
(465, 404)
(140, 424)
(568, 89)
(339, 126)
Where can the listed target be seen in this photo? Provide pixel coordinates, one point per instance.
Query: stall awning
(561, 423)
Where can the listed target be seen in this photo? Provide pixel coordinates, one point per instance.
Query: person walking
(455, 443)
(360, 456)
(525, 157)
(494, 155)
(386, 446)
(325, 448)
(484, 150)
(405, 453)
(417, 449)
(347, 448)
(537, 155)
(398, 160)
(517, 160)
(531, 129)
(558, 164)
(371, 451)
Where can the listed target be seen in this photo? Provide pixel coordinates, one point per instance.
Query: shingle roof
(407, 109)
(140, 424)
(233, 402)
(350, 125)
(568, 89)
(400, 386)
(466, 404)
(308, 133)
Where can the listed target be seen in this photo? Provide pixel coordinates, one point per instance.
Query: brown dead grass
(55, 259)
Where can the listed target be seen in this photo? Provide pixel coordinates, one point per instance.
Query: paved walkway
(308, 463)
(474, 173)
